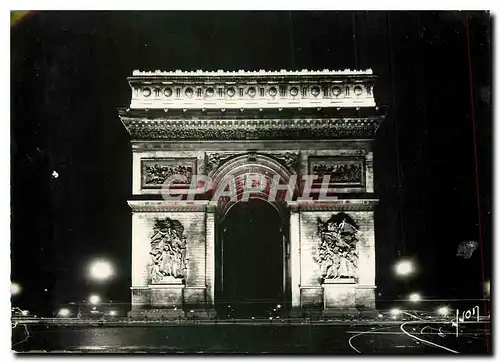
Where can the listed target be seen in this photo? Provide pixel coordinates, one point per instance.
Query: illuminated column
(365, 289)
(369, 172)
(141, 296)
(210, 254)
(295, 256)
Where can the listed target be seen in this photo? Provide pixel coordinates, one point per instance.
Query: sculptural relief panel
(168, 251)
(168, 248)
(337, 252)
(342, 171)
(155, 171)
(336, 247)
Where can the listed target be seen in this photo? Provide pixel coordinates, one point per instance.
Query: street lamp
(415, 297)
(395, 312)
(64, 312)
(94, 299)
(404, 268)
(100, 270)
(15, 288)
(443, 310)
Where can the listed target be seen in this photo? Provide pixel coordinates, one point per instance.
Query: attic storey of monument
(299, 141)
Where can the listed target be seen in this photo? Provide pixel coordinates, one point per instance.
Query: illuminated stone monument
(311, 131)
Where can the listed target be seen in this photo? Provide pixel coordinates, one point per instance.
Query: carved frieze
(155, 171)
(337, 250)
(342, 172)
(168, 251)
(289, 129)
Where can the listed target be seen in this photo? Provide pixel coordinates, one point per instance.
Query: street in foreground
(402, 337)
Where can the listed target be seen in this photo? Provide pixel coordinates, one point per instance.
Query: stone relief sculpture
(168, 250)
(340, 172)
(154, 174)
(215, 160)
(288, 160)
(337, 253)
(245, 130)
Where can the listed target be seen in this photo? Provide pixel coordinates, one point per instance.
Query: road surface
(402, 337)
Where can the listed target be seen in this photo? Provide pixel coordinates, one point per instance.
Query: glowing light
(443, 310)
(15, 288)
(415, 297)
(95, 299)
(380, 316)
(278, 306)
(396, 311)
(112, 313)
(25, 313)
(64, 312)
(101, 270)
(404, 268)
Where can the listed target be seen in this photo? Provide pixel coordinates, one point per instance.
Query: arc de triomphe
(312, 249)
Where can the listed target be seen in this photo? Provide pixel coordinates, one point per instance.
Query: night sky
(68, 77)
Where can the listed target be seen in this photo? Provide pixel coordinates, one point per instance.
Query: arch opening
(251, 261)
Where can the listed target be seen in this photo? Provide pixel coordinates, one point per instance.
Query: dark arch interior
(251, 260)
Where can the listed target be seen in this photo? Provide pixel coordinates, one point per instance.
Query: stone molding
(340, 281)
(261, 72)
(334, 205)
(258, 89)
(245, 129)
(167, 206)
(353, 205)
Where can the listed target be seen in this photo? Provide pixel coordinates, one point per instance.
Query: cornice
(251, 89)
(167, 206)
(261, 72)
(295, 206)
(255, 113)
(246, 129)
(335, 205)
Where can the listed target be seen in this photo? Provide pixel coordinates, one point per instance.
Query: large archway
(252, 266)
(252, 263)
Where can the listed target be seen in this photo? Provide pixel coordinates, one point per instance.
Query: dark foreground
(405, 337)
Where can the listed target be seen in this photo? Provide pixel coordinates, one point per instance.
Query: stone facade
(219, 123)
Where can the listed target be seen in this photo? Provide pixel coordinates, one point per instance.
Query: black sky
(68, 76)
